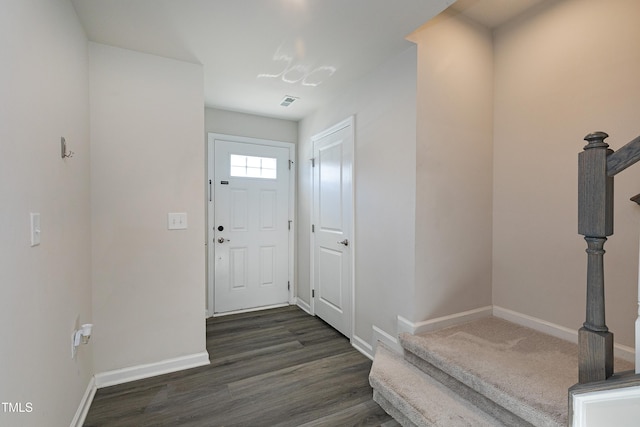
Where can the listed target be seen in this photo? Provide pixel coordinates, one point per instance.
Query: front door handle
(344, 242)
(222, 240)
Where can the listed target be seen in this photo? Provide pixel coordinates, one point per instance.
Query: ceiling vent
(288, 100)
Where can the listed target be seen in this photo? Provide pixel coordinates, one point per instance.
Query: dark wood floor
(278, 367)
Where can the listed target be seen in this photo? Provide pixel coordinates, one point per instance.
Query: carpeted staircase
(488, 372)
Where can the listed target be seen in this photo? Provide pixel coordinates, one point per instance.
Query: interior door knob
(344, 242)
(222, 240)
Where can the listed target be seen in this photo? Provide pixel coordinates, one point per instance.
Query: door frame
(210, 198)
(348, 122)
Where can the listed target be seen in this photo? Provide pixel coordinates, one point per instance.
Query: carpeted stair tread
(415, 399)
(524, 371)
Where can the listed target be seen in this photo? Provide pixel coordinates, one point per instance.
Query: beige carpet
(524, 371)
(418, 400)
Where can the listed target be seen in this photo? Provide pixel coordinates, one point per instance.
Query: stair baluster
(597, 165)
(637, 200)
(595, 222)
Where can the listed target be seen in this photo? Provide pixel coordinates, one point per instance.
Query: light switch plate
(35, 229)
(177, 221)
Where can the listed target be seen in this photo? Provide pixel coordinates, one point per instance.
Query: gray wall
(383, 104)
(250, 125)
(147, 157)
(563, 71)
(454, 167)
(45, 291)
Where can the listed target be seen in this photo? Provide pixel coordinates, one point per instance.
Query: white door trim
(210, 197)
(348, 122)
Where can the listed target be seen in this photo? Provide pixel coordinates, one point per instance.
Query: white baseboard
(536, 324)
(621, 351)
(405, 325)
(120, 376)
(250, 310)
(362, 346)
(85, 404)
(378, 336)
(390, 341)
(304, 306)
(624, 352)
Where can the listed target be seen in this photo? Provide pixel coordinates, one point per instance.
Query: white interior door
(250, 230)
(332, 226)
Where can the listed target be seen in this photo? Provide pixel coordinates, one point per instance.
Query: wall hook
(63, 149)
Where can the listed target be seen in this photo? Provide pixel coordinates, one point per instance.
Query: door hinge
(313, 228)
(313, 293)
(290, 164)
(289, 226)
(313, 163)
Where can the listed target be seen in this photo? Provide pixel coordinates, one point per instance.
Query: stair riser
(392, 410)
(416, 399)
(508, 403)
(487, 405)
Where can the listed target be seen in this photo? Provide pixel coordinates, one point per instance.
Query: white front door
(250, 227)
(332, 226)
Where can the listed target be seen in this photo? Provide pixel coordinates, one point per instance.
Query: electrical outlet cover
(35, 229)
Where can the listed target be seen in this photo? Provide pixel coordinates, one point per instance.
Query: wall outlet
(35, 229)
(74, 346)
(177, 221)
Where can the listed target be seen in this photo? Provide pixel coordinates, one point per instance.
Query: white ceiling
(256, 52)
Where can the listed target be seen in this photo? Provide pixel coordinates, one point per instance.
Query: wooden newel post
(595, 222)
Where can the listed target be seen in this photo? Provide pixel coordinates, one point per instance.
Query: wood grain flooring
(277, 367)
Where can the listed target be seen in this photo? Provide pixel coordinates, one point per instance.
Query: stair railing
(597, 165)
